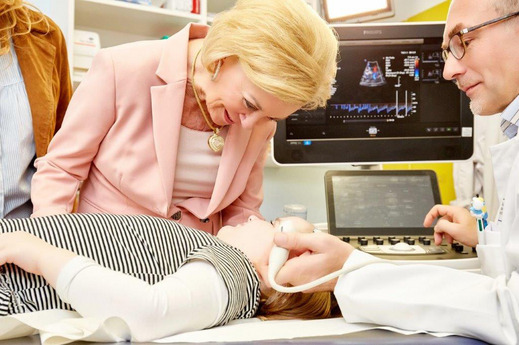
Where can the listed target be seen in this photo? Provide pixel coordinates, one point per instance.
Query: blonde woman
(179, 128)
(35, 90)
(159, 276)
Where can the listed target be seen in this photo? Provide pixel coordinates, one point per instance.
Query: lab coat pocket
(492, 255)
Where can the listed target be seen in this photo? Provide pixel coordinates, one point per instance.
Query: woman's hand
(454, 223)
(312, 256)
(33, 255)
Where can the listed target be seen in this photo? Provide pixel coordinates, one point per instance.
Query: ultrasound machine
(381, 212)
(389, 103)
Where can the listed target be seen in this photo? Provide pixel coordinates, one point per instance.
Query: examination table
(360, 338)
(68, 327)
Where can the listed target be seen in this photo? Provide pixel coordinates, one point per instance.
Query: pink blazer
(120, 136)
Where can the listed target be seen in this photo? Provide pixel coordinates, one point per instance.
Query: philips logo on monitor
(372, 32)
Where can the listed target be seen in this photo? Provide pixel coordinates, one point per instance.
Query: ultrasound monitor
(380, 202)
(389, 103)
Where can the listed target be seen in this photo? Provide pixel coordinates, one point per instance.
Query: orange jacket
(42, 55)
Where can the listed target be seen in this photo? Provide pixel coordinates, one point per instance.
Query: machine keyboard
(409, 247)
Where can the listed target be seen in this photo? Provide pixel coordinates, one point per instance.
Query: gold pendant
(216, 142)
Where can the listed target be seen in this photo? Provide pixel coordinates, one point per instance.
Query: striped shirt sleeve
(239, 276)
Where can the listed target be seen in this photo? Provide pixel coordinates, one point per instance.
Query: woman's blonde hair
(16, 20)
(285, 306)
(284, 47)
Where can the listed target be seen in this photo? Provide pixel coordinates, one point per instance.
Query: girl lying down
(159, 276)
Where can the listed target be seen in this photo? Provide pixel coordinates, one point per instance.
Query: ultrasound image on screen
(387, 87)
(384, 90)
(381, 201)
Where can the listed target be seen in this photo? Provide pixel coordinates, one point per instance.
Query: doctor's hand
(312, 256)
(454, 223)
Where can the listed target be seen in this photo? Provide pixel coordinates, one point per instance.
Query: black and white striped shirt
(144, 247)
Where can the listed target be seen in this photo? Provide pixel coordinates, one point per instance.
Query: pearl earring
(216, 70)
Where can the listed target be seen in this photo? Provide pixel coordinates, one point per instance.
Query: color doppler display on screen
(389, 103)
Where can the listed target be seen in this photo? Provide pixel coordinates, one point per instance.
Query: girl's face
(255, 238)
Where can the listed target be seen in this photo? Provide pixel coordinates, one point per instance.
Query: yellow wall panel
(443, 173)
(436, 13)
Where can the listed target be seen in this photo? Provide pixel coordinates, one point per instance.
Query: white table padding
(63, 327)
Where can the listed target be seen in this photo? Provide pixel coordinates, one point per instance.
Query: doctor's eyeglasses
(457, 45)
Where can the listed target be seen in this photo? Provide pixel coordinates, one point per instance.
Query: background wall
(57, 10)
(297, 185)
(405, 9)
(60, 11)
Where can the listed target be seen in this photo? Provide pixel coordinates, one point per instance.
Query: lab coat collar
(504, 156)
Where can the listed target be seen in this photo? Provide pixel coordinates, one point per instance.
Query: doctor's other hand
(454, 223)
(312, 256)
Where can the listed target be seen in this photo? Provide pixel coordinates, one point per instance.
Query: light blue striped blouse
(17, 148)
(510, 119)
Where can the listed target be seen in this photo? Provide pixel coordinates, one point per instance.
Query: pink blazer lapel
(167, 103)
(232, 155)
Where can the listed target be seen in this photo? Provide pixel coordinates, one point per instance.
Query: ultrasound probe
(278, 257)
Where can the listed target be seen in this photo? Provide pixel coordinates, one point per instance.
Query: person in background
(35, 90)
(480, 53)
(179, 128)
(175, 279)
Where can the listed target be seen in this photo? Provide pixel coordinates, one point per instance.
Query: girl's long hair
(285, 306)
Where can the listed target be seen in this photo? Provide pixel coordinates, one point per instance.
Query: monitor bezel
(400, 231)
(379, 150)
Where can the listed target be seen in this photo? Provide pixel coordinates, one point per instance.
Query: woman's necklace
(215, 141)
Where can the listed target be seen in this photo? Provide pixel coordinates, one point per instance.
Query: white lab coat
(475, 175)
(441, 299)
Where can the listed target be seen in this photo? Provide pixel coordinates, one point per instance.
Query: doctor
(481, 54)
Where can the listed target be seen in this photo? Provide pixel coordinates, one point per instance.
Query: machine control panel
(410, 247)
